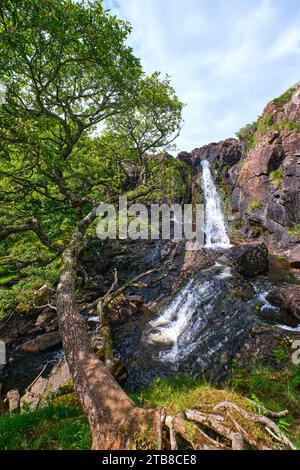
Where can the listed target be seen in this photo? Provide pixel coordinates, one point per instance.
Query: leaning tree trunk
(115, 421)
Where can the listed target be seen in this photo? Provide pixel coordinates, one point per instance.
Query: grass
(277, 178)
(176, 394)
(53, 427)
(294, 231)
(62, 426)
(276, 390)
(284, 98)
(264, 124)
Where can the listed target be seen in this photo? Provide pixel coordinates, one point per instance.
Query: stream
(204, 325)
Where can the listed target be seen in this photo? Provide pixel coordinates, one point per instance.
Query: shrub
(284, 98)
(247, 134)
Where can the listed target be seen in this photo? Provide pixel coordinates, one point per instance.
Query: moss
(177, 394)
(183, 392)
(277, 178)
(66, 389)
(68, 400)
(280, 271)
(254, 205)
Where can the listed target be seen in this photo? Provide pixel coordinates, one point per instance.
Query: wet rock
(44, 318)
(293, 257)
(41, 343)
(138, 300)
(13, 399)
(225, 153)
(250, 259)
(288, 298)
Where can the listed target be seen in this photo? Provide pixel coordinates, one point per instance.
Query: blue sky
(226, 58)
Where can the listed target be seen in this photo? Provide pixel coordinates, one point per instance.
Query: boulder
(13, 399)
(288, 299)
(44, 389)
(31, 400)
(293, 257)
(59, 378)
(41, 343)
(42, 294)
(250, 259)
(44, 318)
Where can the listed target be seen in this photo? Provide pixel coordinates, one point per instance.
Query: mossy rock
(68, 400)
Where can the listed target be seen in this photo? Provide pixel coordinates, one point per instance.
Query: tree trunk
(115, 421)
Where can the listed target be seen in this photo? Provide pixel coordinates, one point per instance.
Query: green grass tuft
(277, 178)
(254, 205)
(52, 427)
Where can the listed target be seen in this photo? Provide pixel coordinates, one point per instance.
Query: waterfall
(215, 229)
(181, 323)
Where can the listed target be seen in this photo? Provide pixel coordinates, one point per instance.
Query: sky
(226, 58)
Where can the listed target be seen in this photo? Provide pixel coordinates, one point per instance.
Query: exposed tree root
(226, 427)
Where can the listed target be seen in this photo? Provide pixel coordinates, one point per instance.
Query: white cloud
(226, 58)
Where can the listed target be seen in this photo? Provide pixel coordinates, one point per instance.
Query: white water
(294, 329)
(215, 228)
(179, 321)
(177, 324)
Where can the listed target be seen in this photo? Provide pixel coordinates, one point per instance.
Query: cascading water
(215, 228)
(182, 321)
(186, 317)
(207, 321)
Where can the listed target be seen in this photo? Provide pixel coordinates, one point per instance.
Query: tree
(69, 73)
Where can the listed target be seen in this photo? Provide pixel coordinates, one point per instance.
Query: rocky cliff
(260, 174)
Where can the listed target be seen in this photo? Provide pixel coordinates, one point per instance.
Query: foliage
(177, 394)
(19, 297)
(284, 98)
(276, 390)
(294, 231)
(254, 205)
(266, 123)
(247, 134)
(54, 427)
(78, 127)
(277, 178)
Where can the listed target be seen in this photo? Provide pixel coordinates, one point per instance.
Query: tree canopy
(79, 125)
